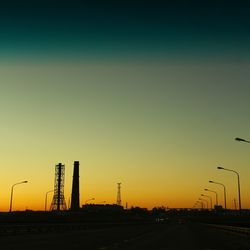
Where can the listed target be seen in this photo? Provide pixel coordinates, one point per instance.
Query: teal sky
(151, 96)
(127, 30)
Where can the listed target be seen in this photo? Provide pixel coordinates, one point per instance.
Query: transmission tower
(58, 202)
(119, 200)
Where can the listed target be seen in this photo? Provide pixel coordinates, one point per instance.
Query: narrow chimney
(75, 197)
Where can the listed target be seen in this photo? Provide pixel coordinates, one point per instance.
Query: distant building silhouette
(75, 196)
(58, 202)
(102, 208)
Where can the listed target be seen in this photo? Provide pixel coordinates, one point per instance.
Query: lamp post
(89, 200)
(45, 207)
(241, 140)
(205, 201)
(12, 190)
(201, 203)
(211, 204)
(225, 197)
(238, 178)
(216, 195)
(195, 204)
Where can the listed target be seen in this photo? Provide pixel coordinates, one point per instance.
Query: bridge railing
(59, 227)
(240, 230)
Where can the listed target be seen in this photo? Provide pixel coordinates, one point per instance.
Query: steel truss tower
(58, 202)
(119, 200)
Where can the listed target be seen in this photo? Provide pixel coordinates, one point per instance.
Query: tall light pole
(103, 202)
(225, 197)
(195, 204)
(238, 177)
(205, 201)
(200, 203)
(241, 140)
(45, 206)
(89, 200)
(211, 204)
(216, 195)
(12, 190)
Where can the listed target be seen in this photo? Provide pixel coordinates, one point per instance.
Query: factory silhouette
(95, 226)
(58, 202)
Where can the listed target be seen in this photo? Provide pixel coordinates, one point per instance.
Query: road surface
(172, 236)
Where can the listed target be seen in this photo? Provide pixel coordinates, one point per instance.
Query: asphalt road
(172, 236)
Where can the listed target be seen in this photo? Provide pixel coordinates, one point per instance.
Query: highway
(171, 236)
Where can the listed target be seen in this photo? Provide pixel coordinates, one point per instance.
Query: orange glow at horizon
(159, 132)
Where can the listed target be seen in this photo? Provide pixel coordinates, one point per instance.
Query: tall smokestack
(75, 197)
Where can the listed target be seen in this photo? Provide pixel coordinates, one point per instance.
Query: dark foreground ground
(170, 236)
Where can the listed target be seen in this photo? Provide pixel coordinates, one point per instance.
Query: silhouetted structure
(75, 197)
(119, 200)
(58, 202)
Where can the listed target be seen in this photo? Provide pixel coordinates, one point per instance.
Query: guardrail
(40, 228)
(240, 230)
(14, 229)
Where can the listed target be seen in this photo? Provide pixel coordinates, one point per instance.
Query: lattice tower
(119, 199)
(58, 202)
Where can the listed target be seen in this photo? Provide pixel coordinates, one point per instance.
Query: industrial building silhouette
(58, 201)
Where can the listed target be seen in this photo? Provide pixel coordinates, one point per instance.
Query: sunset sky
(151, 95)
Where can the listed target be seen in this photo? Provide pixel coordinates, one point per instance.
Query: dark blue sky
(148, 27)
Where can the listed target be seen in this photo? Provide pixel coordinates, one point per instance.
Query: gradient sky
(151, 95)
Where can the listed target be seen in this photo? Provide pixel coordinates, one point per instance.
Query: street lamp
(12, 189)
(210, 200)
(208, 190)
(45, 207)
(241, 140)
(225, 197)
(238, 177)
(89, 200)
(205, 201)
(200, 203)
(195, 204)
